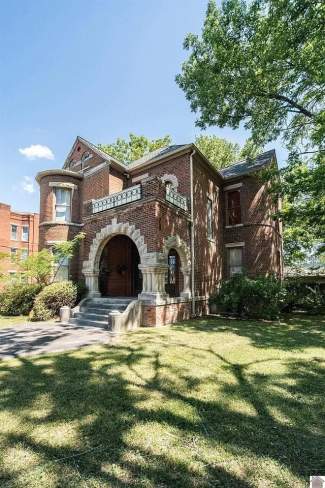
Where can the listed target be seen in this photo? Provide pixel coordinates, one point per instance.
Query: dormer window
(233, 207)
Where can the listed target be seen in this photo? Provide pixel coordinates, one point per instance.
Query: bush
(48, 303)
(304, 296)
(261, 297)
(82, 291)
(18, 299)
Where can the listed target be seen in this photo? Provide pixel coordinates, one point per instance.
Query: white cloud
(37, 151)
(27, 184)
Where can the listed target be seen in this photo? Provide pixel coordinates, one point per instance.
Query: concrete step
(90, 316)
(109, 301)
(102, 306)
(103, 324)
(102, 310)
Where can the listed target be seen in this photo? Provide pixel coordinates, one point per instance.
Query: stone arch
(172, 178)
(175, 242)
(90, 267)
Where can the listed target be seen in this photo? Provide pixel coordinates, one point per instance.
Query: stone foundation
(172, 311)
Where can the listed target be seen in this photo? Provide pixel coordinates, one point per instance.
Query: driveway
(43, 338)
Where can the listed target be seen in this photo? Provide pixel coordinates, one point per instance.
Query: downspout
(192, 235)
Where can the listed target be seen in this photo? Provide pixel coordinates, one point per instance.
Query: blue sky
(99, 69)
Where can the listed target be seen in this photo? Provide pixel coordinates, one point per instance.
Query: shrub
(82, 290)
(304, 296)
(52, 297)
(18, 299)
(261, 297)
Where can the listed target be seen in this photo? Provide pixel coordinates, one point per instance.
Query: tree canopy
(134, 148)
(261, 63)
(219, 151)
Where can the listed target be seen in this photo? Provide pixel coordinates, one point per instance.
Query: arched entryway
(173, 274)
(119, 274)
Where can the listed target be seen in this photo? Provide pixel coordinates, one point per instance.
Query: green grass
(10, 321)
(206, 403)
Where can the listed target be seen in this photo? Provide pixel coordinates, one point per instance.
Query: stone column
(186, 292)
(153, 279)
(92, 283)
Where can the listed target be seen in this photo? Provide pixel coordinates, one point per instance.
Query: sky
(95, 68)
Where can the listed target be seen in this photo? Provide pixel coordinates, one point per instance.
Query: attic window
(78, 148)
(85, 156)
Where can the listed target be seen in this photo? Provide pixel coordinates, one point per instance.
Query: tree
(260, 63)
(42, 267)
(219, 151)
(127, 151)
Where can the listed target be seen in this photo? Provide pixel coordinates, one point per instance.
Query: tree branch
(290, 102)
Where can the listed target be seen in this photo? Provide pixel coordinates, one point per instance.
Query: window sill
(233, 226)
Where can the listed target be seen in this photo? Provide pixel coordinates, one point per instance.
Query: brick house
(165, 229)
(18, 235)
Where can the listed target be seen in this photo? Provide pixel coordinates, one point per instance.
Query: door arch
(119, 274)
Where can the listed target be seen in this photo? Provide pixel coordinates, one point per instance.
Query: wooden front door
(119, 268)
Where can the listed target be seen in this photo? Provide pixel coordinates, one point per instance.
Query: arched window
(172, 283)
(168, 185)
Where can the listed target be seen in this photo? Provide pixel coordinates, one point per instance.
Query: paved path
(43, 338)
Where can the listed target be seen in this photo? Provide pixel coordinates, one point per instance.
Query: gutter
(192, 236)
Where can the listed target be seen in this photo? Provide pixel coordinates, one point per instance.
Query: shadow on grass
(290, 332)
(108, 394)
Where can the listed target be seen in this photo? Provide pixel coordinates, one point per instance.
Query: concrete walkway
(42, 338)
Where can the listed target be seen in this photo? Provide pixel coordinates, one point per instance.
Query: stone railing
(176, 199)
(117, 199)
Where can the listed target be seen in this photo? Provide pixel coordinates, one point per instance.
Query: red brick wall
(208, 252)
(178, 166)
(8, 217)
(171, 313)
(259, 232)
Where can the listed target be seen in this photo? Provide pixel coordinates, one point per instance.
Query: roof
(248, 165)
(157, 154)
(237, 169)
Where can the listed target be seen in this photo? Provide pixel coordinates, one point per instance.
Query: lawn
(10, 321)
(203, 404)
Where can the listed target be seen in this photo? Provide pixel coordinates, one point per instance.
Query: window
(62, 270)
(209, 219)
(172, 282)
(235, 260)
(168, 186)
(233, 207)
(14, 232)
(24, 254)
(62, 204)
(25, 233)
(13, 253)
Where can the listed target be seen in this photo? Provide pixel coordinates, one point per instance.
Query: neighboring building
(140, 240)
(18, 235)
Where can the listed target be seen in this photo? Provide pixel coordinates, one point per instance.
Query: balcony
(117, 199)
(176, 199)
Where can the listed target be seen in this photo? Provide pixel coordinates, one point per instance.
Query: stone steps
(97, 311)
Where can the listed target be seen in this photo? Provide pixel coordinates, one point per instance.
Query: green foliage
(260, 63)
(38, 266)
(304, 296)
(219, 151)
(257, 298)
(66, 250)
(82, 290)
(51, 298)
(18, 299)
(127, 151)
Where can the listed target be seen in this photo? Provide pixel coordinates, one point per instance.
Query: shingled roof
(156, 154)
(247, 166)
